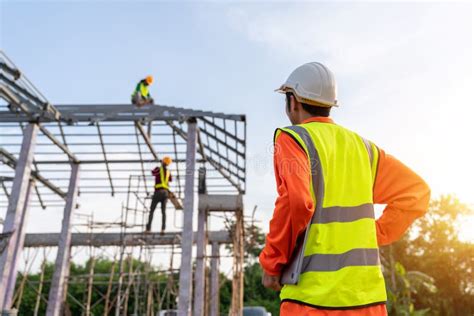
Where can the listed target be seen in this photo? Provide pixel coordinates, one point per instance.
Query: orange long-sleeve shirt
(404, 192)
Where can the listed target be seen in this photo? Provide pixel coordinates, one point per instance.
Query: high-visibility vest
(341, 266)
(142, 88)
(164, 179)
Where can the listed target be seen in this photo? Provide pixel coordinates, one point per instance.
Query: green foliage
(400, 287)
(77, 289)
(254, 243)
(225, 295)
(444, 281)
(256, 294)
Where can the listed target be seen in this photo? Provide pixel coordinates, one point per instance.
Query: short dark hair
(311, 109)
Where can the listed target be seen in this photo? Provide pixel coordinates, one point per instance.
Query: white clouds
(351, 37)
(404, 72)
(379, 52)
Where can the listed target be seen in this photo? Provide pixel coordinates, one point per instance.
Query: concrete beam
(220, 203)
(35, 240)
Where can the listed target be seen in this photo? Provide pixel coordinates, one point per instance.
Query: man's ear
(293, 103)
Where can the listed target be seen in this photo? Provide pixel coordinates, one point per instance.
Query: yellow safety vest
(341, 265)
(144, 90)
(164, 178)
(141, 88)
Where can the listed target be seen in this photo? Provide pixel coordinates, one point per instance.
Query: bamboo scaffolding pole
(40, 285)
(90, 283)
(109, 287)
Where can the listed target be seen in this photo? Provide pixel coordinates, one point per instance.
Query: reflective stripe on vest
(341, 265)
(164, 179)
(328, 262)
(373, 157)
(343, 214)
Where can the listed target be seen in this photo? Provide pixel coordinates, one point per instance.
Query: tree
(78, 286)
(433, 248)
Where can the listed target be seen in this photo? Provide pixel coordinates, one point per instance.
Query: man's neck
(306, 116)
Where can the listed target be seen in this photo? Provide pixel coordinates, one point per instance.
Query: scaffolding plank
(175, 201)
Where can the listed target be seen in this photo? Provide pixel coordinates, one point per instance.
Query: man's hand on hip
(271, 281)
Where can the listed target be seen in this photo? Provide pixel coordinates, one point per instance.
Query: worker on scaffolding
(322, 248)
(141, 96)
(162, 178)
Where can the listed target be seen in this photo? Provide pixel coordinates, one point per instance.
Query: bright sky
(404, 70)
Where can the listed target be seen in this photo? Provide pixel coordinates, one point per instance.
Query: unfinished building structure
(54, 156)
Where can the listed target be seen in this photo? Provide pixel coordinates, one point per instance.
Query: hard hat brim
(284, 89)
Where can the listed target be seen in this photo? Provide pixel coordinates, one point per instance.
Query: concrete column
(16, 207)
(214, 284)
(18, 249)
(237, 303)
(61, 268)
(200, 272)
(186, 274)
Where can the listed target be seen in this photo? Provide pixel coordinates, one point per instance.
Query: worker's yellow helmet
(167, 160)
(149, 79)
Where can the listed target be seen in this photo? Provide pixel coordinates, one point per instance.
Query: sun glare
(466, 229)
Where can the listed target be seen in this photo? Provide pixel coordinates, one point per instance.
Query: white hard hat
(312, 83)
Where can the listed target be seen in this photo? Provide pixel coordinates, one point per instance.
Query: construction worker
(162, 178)
(328, 179)
(141, 96)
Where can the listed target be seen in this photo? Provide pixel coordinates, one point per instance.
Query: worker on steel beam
(322, 248)
(162, 178)
(141, 96)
